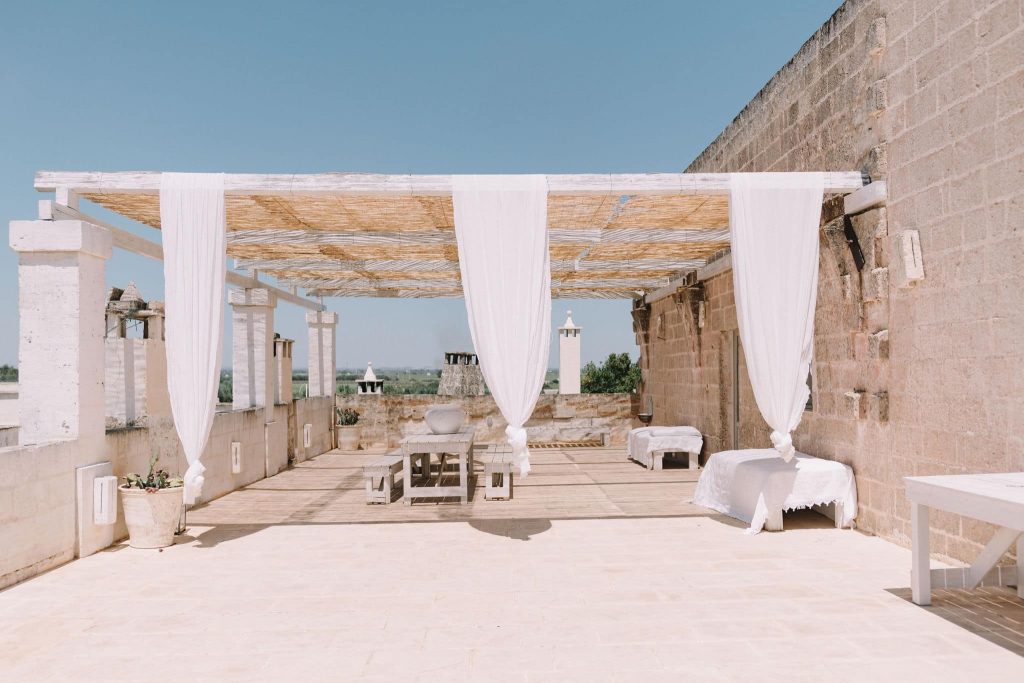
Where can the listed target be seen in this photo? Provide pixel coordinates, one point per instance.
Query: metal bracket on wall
(851, 239)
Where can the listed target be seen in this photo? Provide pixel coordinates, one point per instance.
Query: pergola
(611, 236)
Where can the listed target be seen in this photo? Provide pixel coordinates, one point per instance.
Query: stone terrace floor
(596, 571)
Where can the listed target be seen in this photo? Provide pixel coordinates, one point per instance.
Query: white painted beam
(122, 239)
(868, 197)
(148, 182)
(556, 236)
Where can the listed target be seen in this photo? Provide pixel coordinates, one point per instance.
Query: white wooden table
(460, 445)
(994, 498)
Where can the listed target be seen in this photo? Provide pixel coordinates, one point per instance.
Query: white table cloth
(644, 440)
(750, 485)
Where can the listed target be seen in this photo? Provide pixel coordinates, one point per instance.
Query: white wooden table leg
(1020, 566)
(658, 458)
(407, 478)
(920, 568)
(990, 555)
(463, 478)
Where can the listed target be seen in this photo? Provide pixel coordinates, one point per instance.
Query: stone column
(283, 371)
(61, 300)
(323, 330)
(252, 348)
(569, 357)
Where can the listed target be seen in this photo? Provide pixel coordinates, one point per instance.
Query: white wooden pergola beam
(457, 294)
(52, 211)
(328, 265)
(148, 182)
(400, 238)
(322, 284)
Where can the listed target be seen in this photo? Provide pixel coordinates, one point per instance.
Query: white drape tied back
(774, 219)
(192, 220)
(517, 439)
(501, 229)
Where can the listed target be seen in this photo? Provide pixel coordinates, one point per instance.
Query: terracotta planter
(151, 518)
(348, 437)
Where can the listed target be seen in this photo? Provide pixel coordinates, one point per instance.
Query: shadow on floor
(518, 529)
(996, 614)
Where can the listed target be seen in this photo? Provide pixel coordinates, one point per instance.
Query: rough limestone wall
(319, 412)
(37, 509)
(385, 420)
(955, 116)
(928, 380)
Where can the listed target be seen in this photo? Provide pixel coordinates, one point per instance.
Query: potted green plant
(348, 430)
(152, 505)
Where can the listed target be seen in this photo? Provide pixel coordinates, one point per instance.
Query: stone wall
(907, 380)
(317, 411)
(37, 509)
(37, 483)
(384, 420)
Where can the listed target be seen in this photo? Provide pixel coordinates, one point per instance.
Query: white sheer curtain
(193, 222)
(501, 228)
(774, 221)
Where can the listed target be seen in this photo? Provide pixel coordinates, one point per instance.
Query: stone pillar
(283, 362)
(61, 300)
(252, 348)
(569, 357)
(323, 330)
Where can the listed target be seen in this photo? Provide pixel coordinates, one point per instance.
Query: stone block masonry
(919, 367)
(386, 419)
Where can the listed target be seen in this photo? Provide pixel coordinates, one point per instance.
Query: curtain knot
(783, 442)
(193, 481)
(520, 453)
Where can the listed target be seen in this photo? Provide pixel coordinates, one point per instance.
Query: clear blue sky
(390, 87)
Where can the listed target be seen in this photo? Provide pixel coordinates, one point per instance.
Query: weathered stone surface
(928, 97)
(385, 420)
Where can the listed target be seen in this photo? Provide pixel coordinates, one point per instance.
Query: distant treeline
(8, 373)
(617, 373)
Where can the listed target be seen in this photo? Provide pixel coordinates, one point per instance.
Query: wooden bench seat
(497, 460)
(380, 477)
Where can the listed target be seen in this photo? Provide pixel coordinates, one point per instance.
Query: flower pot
(446, 419)
(151, 517)
(348, 437)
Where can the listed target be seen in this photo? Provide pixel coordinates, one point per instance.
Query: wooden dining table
(444, 446)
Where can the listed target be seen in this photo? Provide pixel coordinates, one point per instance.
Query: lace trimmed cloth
(749, 485)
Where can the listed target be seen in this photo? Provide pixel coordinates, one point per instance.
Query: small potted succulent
(348, 429)
(152, 506)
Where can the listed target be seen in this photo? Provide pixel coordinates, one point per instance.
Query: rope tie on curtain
(517, 440)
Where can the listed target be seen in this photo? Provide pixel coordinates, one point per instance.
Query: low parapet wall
(386, 419)
(37, 482)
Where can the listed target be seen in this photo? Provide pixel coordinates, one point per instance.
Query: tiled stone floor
(295, 579)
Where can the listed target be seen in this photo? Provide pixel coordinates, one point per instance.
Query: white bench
(756, 486)
(380, 477)
(497, 460)
(649, 445)
(994, 498)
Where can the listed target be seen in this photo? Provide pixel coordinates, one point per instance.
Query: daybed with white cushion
(756, 486)
(648, 445)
